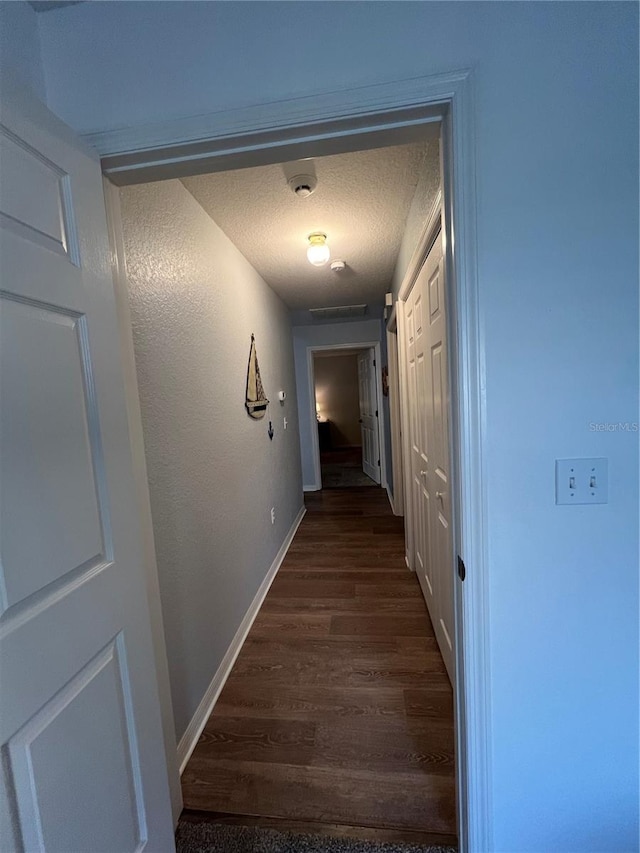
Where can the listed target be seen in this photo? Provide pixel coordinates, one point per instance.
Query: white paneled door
(417, 360)
(427, 406)
(438, 483)
(83, 757)
(368, 400)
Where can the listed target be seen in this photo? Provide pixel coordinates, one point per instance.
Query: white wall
(213, 472)
(556, 102)
(20, 45)
(327, 334)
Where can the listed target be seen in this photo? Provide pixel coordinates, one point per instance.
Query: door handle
(440, 495)
(423, 473)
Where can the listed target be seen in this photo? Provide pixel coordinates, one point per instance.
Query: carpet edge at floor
(203, 837)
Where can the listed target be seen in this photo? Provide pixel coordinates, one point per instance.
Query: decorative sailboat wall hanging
(256, 402)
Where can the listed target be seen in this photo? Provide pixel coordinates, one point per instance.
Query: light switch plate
(582, 481)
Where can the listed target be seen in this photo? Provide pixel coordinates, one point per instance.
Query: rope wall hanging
(256, 400)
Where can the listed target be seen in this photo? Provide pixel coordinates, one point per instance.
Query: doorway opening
(443, 106)
(342, 409)
(349, 556)
(345, 392)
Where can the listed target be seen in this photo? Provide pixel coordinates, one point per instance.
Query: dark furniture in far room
(324, 435)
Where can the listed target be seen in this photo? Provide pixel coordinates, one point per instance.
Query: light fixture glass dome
(318, 252)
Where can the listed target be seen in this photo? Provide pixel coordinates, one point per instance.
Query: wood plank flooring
(338, 713)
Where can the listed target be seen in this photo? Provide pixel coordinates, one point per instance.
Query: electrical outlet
(582, 481)
(273, 515)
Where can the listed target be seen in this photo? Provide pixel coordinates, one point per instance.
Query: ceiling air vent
(339, 312)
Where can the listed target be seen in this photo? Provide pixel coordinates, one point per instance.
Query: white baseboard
(314, 488)
(191, 736)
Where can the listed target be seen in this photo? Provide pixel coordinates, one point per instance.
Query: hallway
(337, 716)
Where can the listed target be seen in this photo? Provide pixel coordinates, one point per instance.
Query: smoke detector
(338, 266)
(303, 185)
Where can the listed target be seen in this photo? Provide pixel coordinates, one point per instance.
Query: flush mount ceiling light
(318, 252)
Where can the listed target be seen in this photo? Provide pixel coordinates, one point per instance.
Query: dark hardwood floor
(338, 713)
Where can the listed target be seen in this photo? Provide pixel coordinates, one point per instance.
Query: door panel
(80, 730)
(81, 778)
(45, 405)
(35, 196)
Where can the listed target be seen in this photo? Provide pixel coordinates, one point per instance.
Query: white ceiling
(361, 203)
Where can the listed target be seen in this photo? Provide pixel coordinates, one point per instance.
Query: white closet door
(417, 406)
(427, 406)
(439, 470)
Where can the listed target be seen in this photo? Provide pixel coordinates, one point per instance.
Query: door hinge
(374, 362)
(378, 463)
(462, 569)
(376, 413)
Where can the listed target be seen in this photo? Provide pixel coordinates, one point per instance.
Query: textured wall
(336, 384)
(213, 473)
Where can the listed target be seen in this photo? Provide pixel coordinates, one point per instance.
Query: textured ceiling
(361, 203)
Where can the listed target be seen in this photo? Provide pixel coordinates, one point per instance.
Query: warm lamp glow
(318, 252)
